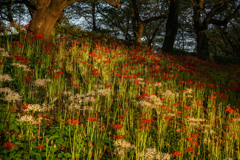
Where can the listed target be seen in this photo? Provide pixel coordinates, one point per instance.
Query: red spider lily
(27, 79)
(143, 95)
(25, 106)
(230, 110)
(118, 137)
(190, 149)
(62, 38)
(117, 126)
(91, 119)
(40, 147)
(69, 121)
(72, 79)
(31, 72)
(37, 36)
(166, 118)
(194, 136)
(58, 72)
(23, 61)
(224, 96)
(136, 81)
(142, 127)
(8, 145)
(176, 154)
(195, 143)
(187, 107)
(146, 121)
(179, 112)
(75, 122)
(108, 85)
(175, 104)
(213, 97)
(56, 75)
(228, 127)
(121, 116)
(106, 61)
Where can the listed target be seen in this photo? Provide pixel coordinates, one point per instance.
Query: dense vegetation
(100, 99)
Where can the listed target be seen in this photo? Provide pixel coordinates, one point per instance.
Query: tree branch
(164, 16)
(113, 3)
(226, 20)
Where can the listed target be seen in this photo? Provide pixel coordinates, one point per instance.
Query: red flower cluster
(143, 95)
(117, 126)
(190, 149)
(40, 147)
(73, 122)
(118, 137)
(25, 106)
(176, 154)
(8, 145)
(146, 121)
(91, 119)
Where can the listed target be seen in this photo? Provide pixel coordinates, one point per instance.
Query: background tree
(171, 26)
(201, 26)
(47, 12)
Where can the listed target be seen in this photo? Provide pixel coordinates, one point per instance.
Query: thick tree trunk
(44, 19)
(138, 32)
(171, 26)
(202, 45)
(47, 13)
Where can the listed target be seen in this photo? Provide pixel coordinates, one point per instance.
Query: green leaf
(60, 155)
(1, 125)
(53, 137)
(60, 141)
(13, 126)
(32, 153)
(67, 155)
(26, 156)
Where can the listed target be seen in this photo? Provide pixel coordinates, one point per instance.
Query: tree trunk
(94, 29)
(138, 32)
(202, 45)
(45, 17)
(171, 26)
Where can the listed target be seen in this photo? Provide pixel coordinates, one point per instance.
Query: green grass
(109, 101)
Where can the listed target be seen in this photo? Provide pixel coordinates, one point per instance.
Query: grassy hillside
(100, 99)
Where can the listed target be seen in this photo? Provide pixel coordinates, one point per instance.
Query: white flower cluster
(5, 77)
(74, 106)
(67, 93)
(195, 119)
(206, 141)
(30, 119)
(41, 82)
(122, 147)
(12, 96)
(99, 86)
(150, 102)
(151, 153)
(5, 90)
(170, 94)
(104, 92)
(25, 68)
(37, 107)
(158, 84)
(189, 91)
(3, 53)
(89, 97)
